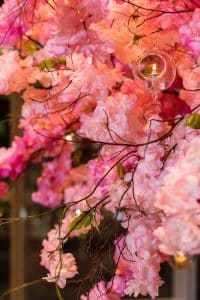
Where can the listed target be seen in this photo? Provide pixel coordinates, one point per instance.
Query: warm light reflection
(151, 66)
(154, 69)
(69, 137)
(180, 260)
(78, 212)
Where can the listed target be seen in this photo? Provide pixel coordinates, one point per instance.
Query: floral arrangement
(122, 76)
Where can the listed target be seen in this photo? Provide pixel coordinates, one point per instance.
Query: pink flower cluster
(101, 291)
(74, 65)
(189, 34)
(179, 198)
(13, 160)
(60, 265)
(50, 187)
(138, 267)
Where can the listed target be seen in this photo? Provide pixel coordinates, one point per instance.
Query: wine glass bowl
(157, 69)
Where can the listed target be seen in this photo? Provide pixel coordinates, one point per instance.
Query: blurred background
(20, 242)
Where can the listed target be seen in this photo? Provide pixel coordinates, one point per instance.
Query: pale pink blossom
(62, 267)
(73, 64)
(13, 160)
(180, 232)
(12, 77)
(180, 190)
(138, 260)
(189, 34)
(100, 291)
(52, 180)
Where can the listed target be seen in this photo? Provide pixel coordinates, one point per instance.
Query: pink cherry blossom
(180, 232)
(100, 291)
(140, 262)
(17, 17)
(62, 266)
(51, 182)
(73, 63)
(180, 190)
(189, 34)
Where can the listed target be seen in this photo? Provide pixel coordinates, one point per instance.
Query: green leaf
(31, 48)
(38, 85)
(82, 221)
(121, 171)
(47, 64)
(50, 64)
(193, 121)
(136, 38)
(61, 60)
(83, 236)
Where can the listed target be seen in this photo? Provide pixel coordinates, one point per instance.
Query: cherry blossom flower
(73, 64)
(62, 266)
(189, 34)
